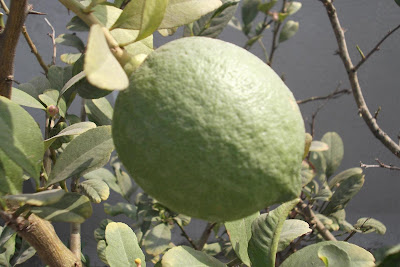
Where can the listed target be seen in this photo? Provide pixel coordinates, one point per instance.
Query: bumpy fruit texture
(210, 131)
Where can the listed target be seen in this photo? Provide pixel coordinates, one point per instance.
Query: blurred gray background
(311, 68)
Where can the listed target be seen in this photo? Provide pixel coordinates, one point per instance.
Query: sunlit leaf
(95, 190)
(126, 209)
(104, 175)
(24, 99)
(293, 7)
(157, 240)
(318, 146)
(183, 256)
(291, 230)
(70, 58)
(333, 255)
(344, 175)
(102, 69)
(37, 199)
(288, 30)
(369, 225)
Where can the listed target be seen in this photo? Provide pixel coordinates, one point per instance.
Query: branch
(186, 235)
(376, 48)
(380, 165)
(206, 234)
(277, 27)
(8, 44)
(53, 41)
(355, 85)
(310, 217)
(333, 95)
(41, 235)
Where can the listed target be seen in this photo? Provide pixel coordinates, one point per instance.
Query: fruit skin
(210, 131)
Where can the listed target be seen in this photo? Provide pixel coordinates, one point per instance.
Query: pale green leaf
(291, 230)
(334, 155)
(266, 230)
(157, 240)
(122, 246)
(183, 256)
(72, 207)
(344, 175)
(104, 175)
(182, 12)
(318, 161)
(78, 25)
(369, 225)
(9, 250)
(102, 69)
(25, 252)
(265, 7)
(52, 97)
(24, 99)
(318, 146)
(95, 190)
(126, 209)
(86, 152)
(249, 11)
(101, 251)
(11, 176)
(72, 81)
(71, 40)
(100, 232)
(239, 232)
(107, 14)
(99, 111)
(333, 255)
(307, 173)
(37, 199)
(212, 24)
(20, 137)
(74, 129)
(308, 256)
(288, 30)
(293, 7)
(144, 16)
(70, 58)
(212, 249)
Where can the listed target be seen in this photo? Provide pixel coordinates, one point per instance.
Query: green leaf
(126, 187)
(157, 240)
(82, 86)
(20, 137)
(101, 251)
(72, 207)
(59, 76)
(212, 249)
(142, 15)
(122, 246)
(105, 176)
(344, 175)
(9, 248)
(334, 155)
(182, 12)
(6, 233)
(239, 232)
(75, 79)
(124, 36)
(100, 232)
(387, 256)
(71, 40)
(288, 30)
(318, 146)
(86, 152)
(95, 190)
(308, 256)
(212, 24)
(52, 97)
(266, 7)
(77, 25)
(307, 173)
(266, 230)
(291, 230)
(318, 161)
(24, 99)
(346, 191)
(183, 256)
(70, 58)
(99, 111)
(332, 255)
(37, 199)
(74, 129)
(25, 252)
(101, 67)
(293, 7)
(107, 14)
(126, 209)
(249, 11)
(11, 176)
(369, 225)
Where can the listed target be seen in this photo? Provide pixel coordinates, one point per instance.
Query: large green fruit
(210, 131)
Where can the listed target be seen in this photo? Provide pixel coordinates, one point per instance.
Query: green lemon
(210, 131)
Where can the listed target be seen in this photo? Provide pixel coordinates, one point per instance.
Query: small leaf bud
(52, 111)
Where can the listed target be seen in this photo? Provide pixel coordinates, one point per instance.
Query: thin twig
(34, 50)
(205, 235)
(4, 7)
(53, 39)
(186, 235)
(277, 26)
(354, 232)
(333, 95)
(310, 217)
(379, 165)
(376, 48)
(355, 85)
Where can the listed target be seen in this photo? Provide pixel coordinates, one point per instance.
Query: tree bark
(8, 44)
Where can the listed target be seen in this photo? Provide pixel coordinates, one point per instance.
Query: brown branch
(53, 40)
(379, 165)
(376, 48)
(186, 235)
(8, 44)
(41, 235)
(333, 95)
(355, 85)
(205, 235)
(310, 217)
